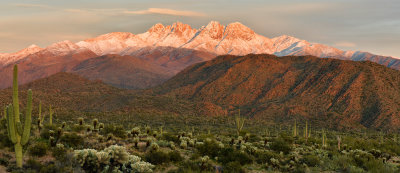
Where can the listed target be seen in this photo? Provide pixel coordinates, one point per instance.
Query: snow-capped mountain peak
(8, 58)
(234, 38)
(63, 47)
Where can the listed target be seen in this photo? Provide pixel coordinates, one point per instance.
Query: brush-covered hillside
(333, 92)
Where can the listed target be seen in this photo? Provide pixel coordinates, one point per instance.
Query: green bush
(234, 167)
(59, 152)
(50, 168)
(33, 164)
(78, 128)
(45, 132)
(3, 161)
(170, 137)
(264, 156)
(280, 145)
(175, 156)
(311, 160)
(160, 157)
(5, 140)
(209, 148)
(117, 131)
(72, 140)
(38, 149)
(227, 155)
(157, 157)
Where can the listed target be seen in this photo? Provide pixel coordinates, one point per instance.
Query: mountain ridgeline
(165, 50)
(337, 93)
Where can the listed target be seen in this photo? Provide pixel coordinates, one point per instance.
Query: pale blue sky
(368, 25)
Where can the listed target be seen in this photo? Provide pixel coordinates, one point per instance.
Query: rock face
(343, 93)
(171, 48)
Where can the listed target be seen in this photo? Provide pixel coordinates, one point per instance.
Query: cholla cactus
(80, 121)
(246, 137)
(103, 157)
(240, 139)
(112, 159)
(148, 129)
(110, 137)
(190, 135)
(88, 129)
(155, 134)
(204, 159)
(183, 144)
(221, 145)
(86, 157)
(274, 162)
(142, 167)
(172, 145)
(149, 141)
(101, 126)
(117, 153)
(154, 147)
(199, 143)
(191, 142)
(95, 122)
(63, 125)
(53, 141)
(60, 145)
(136, 141)
(135, 131)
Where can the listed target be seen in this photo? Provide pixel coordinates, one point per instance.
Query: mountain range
(148, 59)
(327, 92)
(336, 93)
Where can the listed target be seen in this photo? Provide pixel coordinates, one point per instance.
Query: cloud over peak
(345, 44)
(166, 11)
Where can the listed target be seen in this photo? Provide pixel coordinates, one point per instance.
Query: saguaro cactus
(40, 118)
(295, 129)
(18, 135)
(5, 113)
(323, 138)
(306, 131)
(51, 116)
(239, 121)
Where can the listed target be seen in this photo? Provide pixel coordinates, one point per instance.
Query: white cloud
(166, 12)
(23, 5)
(345, 44)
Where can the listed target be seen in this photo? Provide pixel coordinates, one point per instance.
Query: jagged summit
(215, 38)
(157, 28)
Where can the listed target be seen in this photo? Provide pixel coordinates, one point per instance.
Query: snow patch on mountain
(234, 38)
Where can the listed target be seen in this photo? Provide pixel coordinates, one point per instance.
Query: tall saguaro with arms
(18, 134)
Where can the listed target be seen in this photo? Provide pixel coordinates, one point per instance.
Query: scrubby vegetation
(149, 142)
(191, 148)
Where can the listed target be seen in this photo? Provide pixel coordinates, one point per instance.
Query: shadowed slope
(123, 71)
(343, 93)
